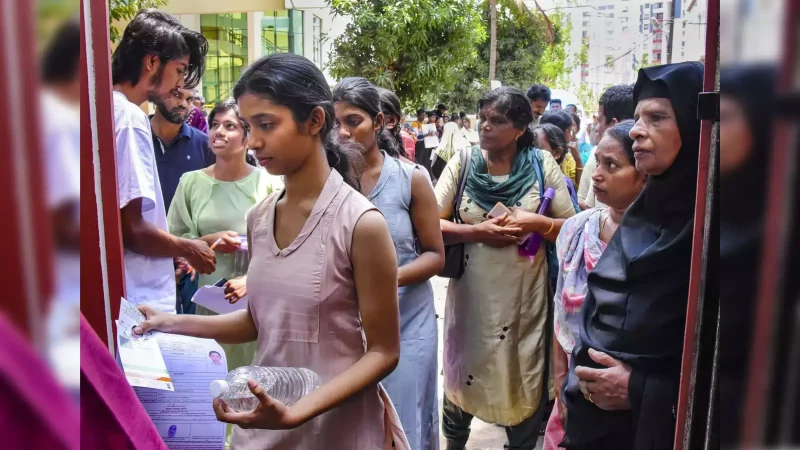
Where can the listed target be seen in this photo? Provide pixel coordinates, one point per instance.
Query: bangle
(552, 225)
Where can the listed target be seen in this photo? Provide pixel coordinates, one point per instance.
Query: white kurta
(495, 315)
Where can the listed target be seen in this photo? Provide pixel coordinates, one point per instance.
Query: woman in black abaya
(622, 388)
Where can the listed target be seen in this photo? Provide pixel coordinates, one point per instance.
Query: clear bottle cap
(218, 388)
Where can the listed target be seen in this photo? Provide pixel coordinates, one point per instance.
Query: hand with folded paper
(227, 297)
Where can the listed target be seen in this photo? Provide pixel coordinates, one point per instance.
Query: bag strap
(536, 161)
(462, 182)
(538, 168)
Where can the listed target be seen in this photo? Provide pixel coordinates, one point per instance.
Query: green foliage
(587, 97)
(125, 10)
(524, 56)
(644, 62)
(418, 49)
(584, 55)
(50, 14)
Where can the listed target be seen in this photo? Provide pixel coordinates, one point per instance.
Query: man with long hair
(156, 57)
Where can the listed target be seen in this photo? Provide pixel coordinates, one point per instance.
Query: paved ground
(484, 436)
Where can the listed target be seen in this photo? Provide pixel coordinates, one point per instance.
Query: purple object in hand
(531, 245)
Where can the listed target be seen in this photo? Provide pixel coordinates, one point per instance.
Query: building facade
(612, 39)
(242, 31)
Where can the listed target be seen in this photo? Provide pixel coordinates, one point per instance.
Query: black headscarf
(635, 308)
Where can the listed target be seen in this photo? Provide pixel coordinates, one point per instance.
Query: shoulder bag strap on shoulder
(462, 182)
(536, 161)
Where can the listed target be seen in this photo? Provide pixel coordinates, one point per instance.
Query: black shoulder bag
(454, 254)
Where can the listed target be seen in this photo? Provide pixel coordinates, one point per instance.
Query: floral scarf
(578, 248)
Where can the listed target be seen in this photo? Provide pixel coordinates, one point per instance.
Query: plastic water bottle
(285, 384)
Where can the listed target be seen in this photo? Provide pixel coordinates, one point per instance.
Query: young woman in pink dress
(322, 281)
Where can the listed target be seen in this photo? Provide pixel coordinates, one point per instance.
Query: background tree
(50, 14)
(588, 98)
(524, 55)
(125, 10)
(417, 49)
(644, 62)
(492, 39)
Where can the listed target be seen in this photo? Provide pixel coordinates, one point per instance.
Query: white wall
(690, 35)
(331, 29)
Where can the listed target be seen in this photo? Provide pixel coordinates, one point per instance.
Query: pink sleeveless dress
(303, 302)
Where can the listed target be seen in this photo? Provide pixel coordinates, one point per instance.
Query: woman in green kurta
(495, 321)
(212, 203)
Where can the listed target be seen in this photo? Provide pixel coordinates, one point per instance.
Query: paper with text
(185, 418)
(139, 356)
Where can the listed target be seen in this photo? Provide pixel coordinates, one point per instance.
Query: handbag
(454, 254)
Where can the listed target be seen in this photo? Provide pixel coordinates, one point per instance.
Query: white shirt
(62, 138)
(149, 280)
(582, 135)
(430, 141)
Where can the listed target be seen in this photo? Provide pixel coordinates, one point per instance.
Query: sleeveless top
(392, 196)
(303, 302)
(413, 384)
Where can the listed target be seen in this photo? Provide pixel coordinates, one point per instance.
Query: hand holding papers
(213, 298)
(140, 356)
(170, 374)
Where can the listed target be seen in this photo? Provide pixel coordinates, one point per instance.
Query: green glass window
(296, 32)
(227, 53)
(282, 32)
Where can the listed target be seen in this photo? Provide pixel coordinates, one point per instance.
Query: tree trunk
(493, 39)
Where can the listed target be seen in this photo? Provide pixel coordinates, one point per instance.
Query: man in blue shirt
(179, 148)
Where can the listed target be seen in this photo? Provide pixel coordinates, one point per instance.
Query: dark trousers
(456, 428)
(185, 290)
(423, 157)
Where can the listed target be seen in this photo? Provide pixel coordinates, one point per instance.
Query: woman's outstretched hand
(270, 414)
(155, 320)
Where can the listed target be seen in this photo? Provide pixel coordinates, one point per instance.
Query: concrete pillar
(254, 36)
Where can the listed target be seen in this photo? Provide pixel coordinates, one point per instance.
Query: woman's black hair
(454, 117)
(561, 119)
(462, 115)
(390, 105)
(577, 120)
(362, 94)
(296, 83)
(223, 107)
(555, 137)
(513, 104)
(622, 133)
(153, 32)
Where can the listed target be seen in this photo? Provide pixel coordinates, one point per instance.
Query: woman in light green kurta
(495, 314)
(213, 202)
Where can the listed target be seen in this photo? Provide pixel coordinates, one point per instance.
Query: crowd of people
(345, 212)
